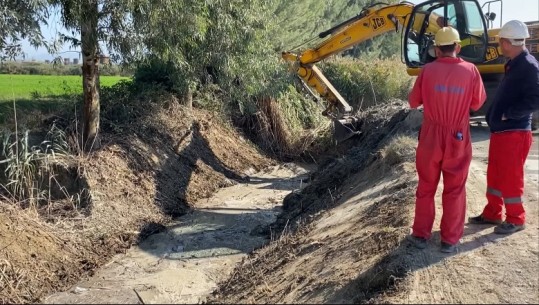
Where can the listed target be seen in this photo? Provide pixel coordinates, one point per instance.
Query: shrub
(364, 83)
(156, 72)
(23, 165)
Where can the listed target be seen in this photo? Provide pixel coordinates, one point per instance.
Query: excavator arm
(371, 22)
(421, 21)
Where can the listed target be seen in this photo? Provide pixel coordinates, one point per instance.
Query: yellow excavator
(418, 24)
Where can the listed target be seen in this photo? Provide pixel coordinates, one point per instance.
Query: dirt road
(184, 263)
(489, 268)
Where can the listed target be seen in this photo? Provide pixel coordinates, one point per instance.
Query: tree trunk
(90, 73)
(188, 99)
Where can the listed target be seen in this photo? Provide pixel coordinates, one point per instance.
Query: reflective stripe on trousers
(505, 175)
(507, 200)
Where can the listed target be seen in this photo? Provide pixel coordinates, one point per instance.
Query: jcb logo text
(377, 22)
(492, 53)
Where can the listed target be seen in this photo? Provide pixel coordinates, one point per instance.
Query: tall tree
(90, 72)
(222, 40)
(106, 23)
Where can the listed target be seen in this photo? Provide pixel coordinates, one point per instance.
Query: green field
(42, 93)
(15, 86)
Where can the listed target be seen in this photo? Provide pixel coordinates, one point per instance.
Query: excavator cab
(428, 17)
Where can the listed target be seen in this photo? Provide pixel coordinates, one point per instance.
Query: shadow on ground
(383, 277)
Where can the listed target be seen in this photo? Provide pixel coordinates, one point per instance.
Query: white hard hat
(446, 36)
(514, 29)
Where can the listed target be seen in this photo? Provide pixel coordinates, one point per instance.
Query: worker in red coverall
(509, 119)
(447, 88)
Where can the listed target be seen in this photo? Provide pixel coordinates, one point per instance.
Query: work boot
(508, 228)
(418, 242)
(448, 248)
(480, 220)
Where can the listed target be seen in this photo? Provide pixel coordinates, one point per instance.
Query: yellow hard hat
(446, 36)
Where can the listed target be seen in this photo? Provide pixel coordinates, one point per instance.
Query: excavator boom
(419, 23)
(371, 22)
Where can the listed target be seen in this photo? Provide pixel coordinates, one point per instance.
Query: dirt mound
(143, 174)
(378, 127)
(32, 258)
(336, 240)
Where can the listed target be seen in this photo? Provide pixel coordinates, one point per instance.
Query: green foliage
(300, 111)
(155, 71)
(37, 68)
(381, 47)
(364, 83)
(19, 20)
(118, 103)
(209, 97)
(222, 43)
(127, 102)
(300, 21)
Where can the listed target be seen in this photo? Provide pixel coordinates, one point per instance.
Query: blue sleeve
(530, 95)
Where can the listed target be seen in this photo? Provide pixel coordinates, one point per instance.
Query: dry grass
(400, 149)
(280, 130)
(368, 83)
(12, 284)
(272, 127)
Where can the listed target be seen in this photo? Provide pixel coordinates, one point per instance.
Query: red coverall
(505, 175)
(447, 88)
(516, 99)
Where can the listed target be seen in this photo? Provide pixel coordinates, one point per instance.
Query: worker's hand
(504, 118)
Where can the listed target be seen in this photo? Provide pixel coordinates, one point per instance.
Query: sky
(523, 10)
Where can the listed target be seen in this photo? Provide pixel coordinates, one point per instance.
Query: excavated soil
(335, 235)
(342, 237)
(339, 236)
(140, 178)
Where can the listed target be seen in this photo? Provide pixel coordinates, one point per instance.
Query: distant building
(75, 61)
(104, 59)
(66, 61)
(47, 61)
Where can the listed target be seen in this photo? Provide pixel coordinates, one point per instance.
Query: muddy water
(185, 263)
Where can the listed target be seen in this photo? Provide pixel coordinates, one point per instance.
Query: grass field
(36, 95)
(14, 86)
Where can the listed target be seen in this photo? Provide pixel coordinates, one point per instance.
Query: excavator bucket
(344, 129)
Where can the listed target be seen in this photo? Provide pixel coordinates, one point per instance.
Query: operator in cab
(447, 88)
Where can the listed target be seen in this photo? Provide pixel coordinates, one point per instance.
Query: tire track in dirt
(488, 268)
